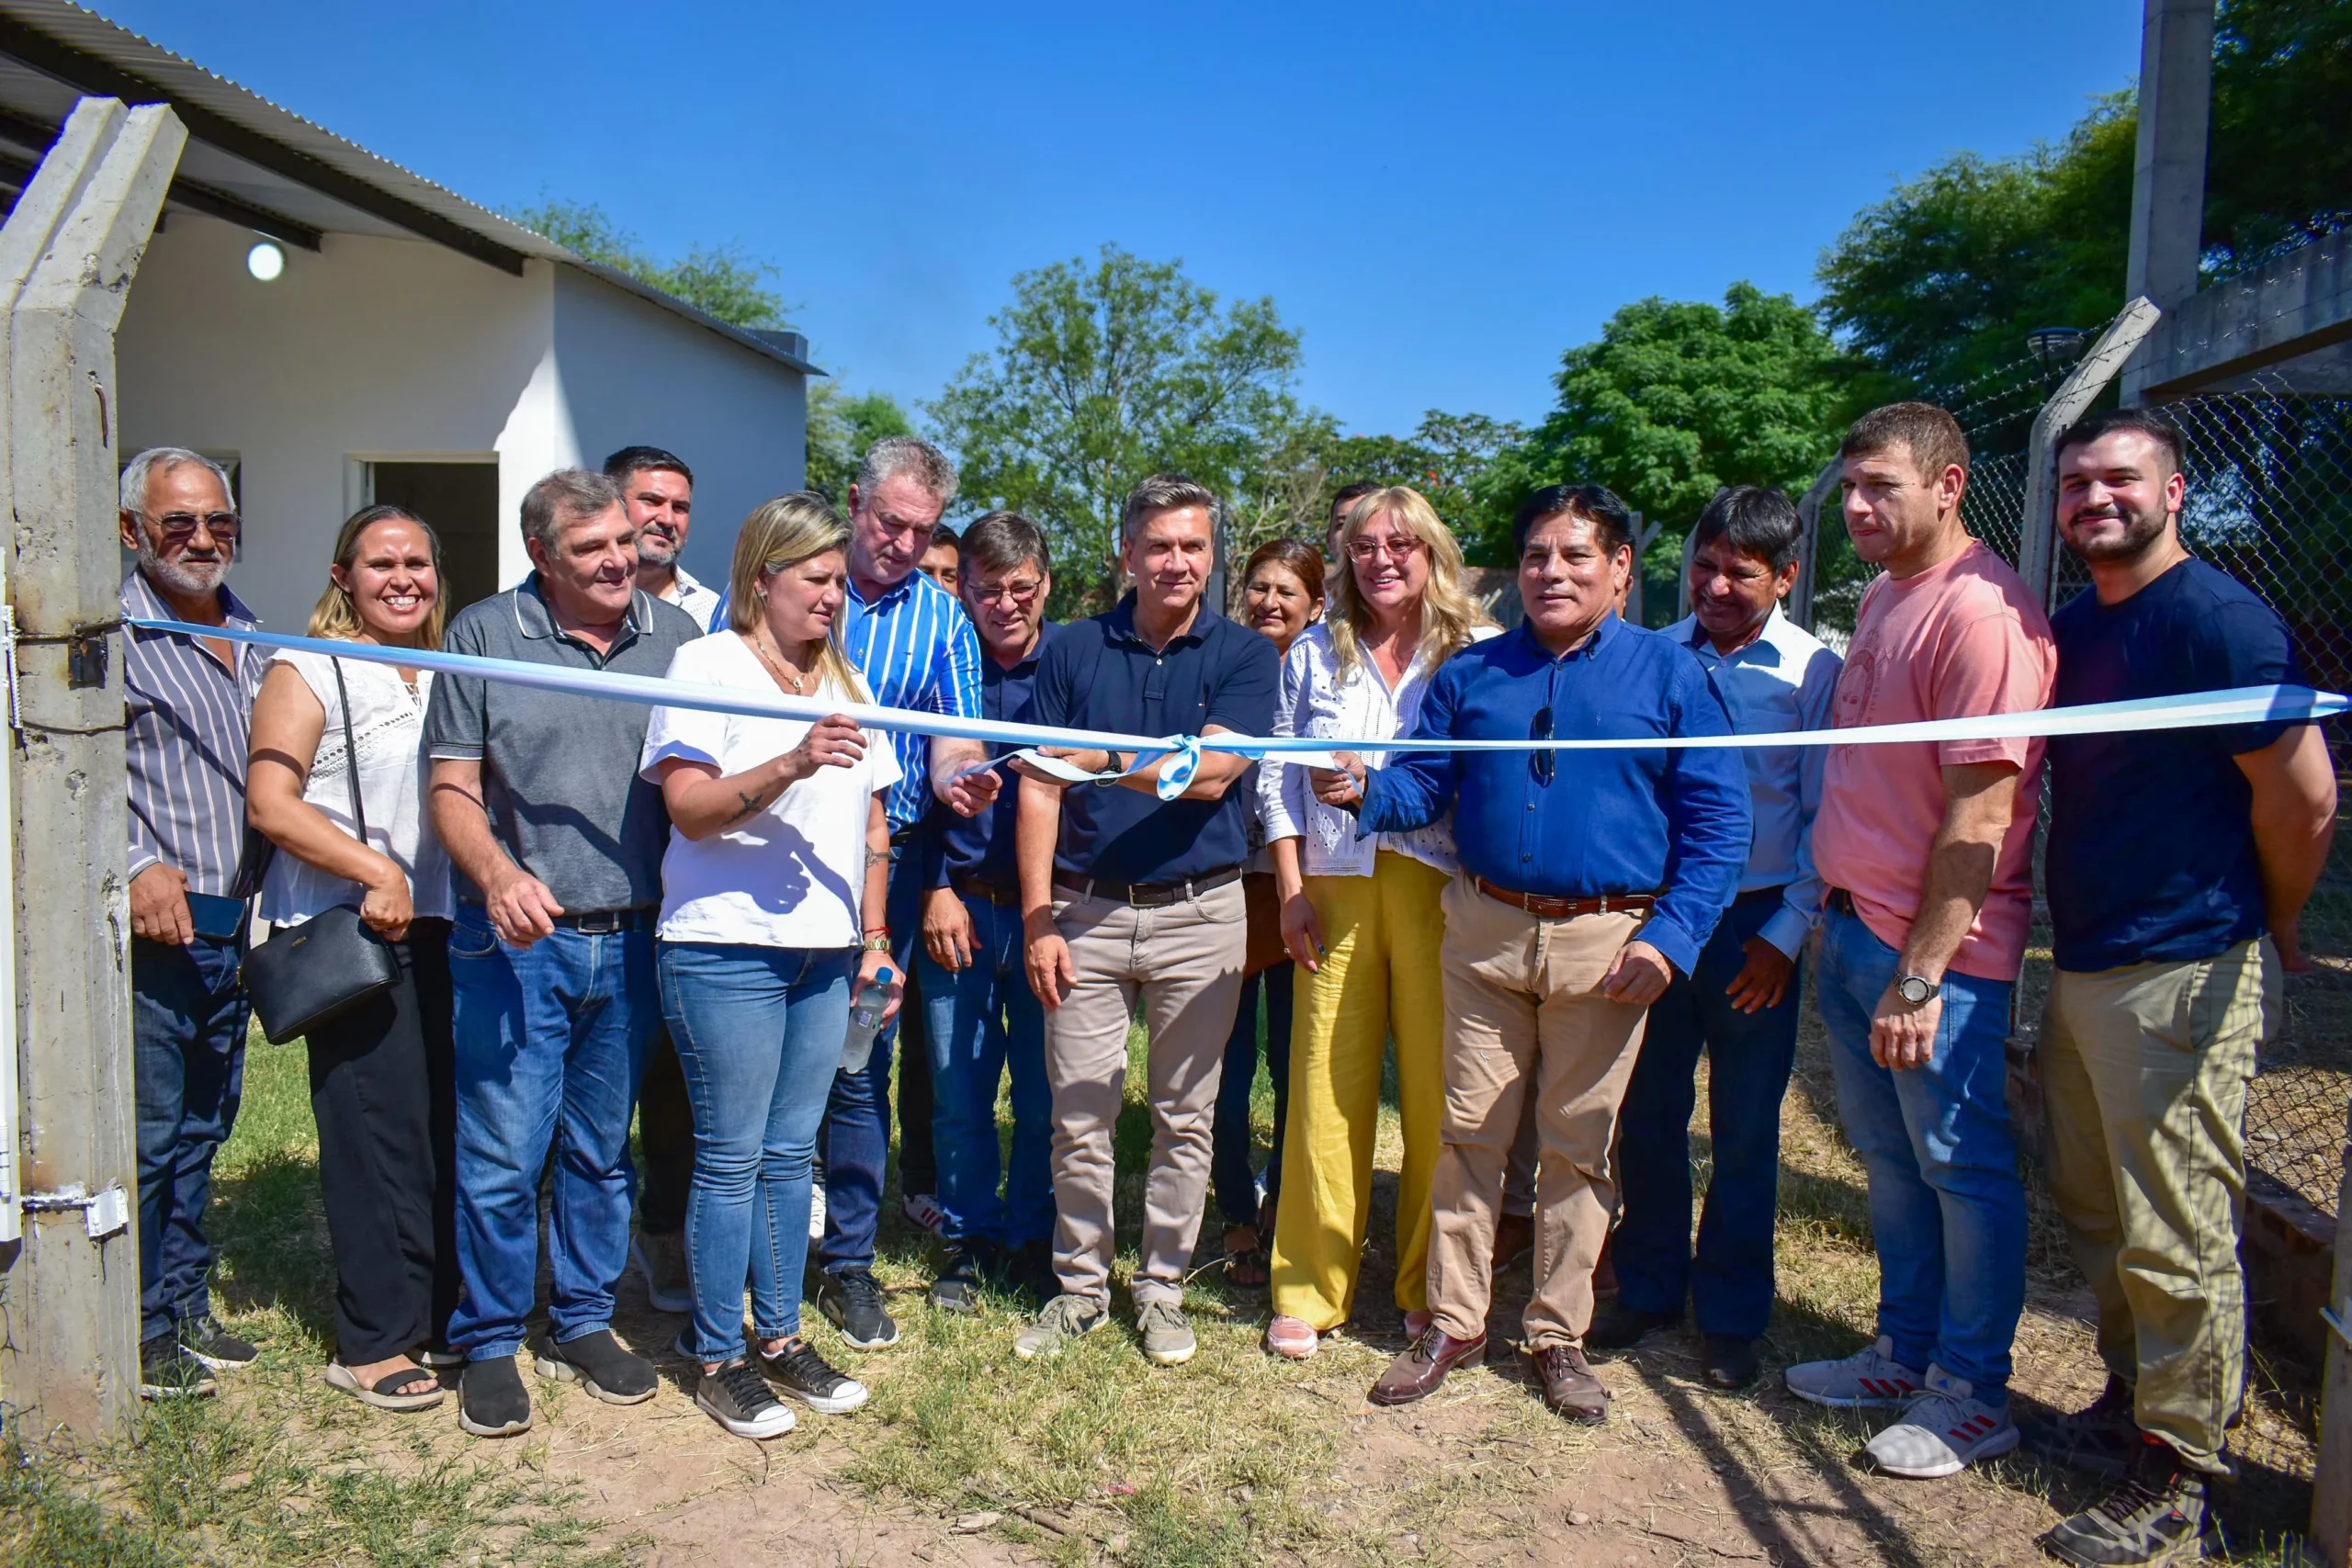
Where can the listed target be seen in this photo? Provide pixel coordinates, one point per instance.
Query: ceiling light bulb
(265, 261)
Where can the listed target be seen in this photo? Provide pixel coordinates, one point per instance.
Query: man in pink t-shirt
(1926, 849)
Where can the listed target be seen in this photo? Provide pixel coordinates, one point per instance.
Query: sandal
(1246, 1266)
(386, 1394)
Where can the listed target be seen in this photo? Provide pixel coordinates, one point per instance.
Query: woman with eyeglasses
(381, 1084)
(1360, 918)
(1282, 596)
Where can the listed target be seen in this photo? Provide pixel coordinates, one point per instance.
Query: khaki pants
(1185, 962)
(2144, 1079)
(1524, 1014)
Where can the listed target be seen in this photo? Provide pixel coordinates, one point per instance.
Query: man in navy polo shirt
(1589, 881)
(984, 1019)
(2177, 865)
(1122, 893)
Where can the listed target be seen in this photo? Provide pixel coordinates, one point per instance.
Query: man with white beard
(189, 698)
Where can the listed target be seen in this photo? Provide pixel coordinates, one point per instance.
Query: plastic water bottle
(865, 1021)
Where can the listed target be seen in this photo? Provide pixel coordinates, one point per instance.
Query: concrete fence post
(2038, 544)
(70, 1358)
(1809, 512)
(2331, 1478)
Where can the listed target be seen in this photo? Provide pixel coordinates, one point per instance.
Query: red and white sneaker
(1943, 1431)
(1866, 1380)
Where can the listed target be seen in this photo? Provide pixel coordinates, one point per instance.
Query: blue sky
(1441, 198)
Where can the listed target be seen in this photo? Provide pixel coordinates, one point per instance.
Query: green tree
(719, 281)
(841, 425)
(1674, 400)
(1106, 372)
(1448, 459)
(2280, 164)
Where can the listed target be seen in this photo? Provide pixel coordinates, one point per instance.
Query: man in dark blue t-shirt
(1125, 895)
(2171, 854)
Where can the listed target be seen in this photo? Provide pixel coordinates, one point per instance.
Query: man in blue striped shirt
(917, 649)
(189, 699)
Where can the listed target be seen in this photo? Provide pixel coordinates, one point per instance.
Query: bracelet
(875, 941)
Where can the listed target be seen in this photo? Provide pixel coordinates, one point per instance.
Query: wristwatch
(1914, 990)
(876, 942)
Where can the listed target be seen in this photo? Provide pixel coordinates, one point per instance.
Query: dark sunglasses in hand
(1541, 729)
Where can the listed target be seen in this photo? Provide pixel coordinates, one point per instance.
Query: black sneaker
(597, 1363)
(2102, 1438)
(2156, 1513)
(214, 1346)
(168, 1371)
(971, 1265)
(1621, 1327)
(852, 1302)
(492, 1400)
(1728, 1361)
(1029, 1271)
(804, 1374)
(738, 1399)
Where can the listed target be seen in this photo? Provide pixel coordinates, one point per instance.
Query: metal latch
(8, 650)
(103, 1213)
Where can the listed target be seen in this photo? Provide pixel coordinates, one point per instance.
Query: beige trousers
(1184, 962)
(2143, 1081)
(1524, 1015)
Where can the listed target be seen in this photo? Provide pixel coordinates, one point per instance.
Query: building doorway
(459, 499)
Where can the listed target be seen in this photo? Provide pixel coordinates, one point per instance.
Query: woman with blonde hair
(382, 1089)
(1360, 918)
(776, 871)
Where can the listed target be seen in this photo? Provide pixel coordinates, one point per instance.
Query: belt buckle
(1601, 903)
(600, 922)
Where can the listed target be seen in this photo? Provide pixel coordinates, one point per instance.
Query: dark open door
(461, 500)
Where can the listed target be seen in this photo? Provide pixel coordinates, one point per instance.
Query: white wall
(635, 374)
(374, 346)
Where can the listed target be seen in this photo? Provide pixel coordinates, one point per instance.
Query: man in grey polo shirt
(557, 847)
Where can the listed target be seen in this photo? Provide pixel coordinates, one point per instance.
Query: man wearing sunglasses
(189, 699)
(1589, 881)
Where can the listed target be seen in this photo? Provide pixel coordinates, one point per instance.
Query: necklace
(775, 663)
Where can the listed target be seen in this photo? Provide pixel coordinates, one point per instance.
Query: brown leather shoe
(1417, 1373)
(1569, 1387)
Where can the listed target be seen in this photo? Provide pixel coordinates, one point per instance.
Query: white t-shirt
(793, 875)
(388, 723)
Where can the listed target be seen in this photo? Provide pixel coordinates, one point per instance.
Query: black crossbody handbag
(305, 974)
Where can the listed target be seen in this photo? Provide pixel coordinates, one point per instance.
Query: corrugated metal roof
(94, 55)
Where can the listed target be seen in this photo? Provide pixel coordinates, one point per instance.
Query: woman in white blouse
(772, 899)
(1360, 918)
(380, 1070)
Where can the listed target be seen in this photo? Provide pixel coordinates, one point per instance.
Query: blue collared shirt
(184, 741)
(981, 847)
(1669, 822)
(1100, 675)
(1786, 679)
(917, 649)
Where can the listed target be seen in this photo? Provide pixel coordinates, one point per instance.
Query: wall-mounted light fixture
(266, 262)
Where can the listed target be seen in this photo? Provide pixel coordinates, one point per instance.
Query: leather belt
(1147, 894)
(986, 891)
(1553, 908)
(1840, 902)
(603, 922)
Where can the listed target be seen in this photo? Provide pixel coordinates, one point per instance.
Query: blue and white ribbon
(2242, 704)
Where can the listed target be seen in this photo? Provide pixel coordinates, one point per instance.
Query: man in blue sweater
(1588, 881)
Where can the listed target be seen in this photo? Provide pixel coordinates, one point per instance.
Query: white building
(414, 347)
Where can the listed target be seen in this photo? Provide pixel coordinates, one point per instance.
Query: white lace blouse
(1315, 701)
(388, 724)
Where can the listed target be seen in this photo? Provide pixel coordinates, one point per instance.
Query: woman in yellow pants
(1362, 918)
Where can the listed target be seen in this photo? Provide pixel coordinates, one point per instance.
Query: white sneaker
(922, 1209)
(817, 1212)
(1943, 1431)
(1866, 1380)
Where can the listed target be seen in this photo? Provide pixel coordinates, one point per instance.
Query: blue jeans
(1946, 1209)
(1748, 1057)
(1237, 1187)
(759, 1035)
(187, 1026)
(855, 1141)
(984, 1021)
(550, 1042)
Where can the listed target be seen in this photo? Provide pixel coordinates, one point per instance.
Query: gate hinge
(103, 1213)
(8, 650)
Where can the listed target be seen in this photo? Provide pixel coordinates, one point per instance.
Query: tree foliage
(1105, 372)
(2280, 165)
(720, 281)
(841, 425)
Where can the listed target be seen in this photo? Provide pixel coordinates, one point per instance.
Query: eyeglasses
(1400, 549)
(1020, 595)
(1542, 762)
(180, 527)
